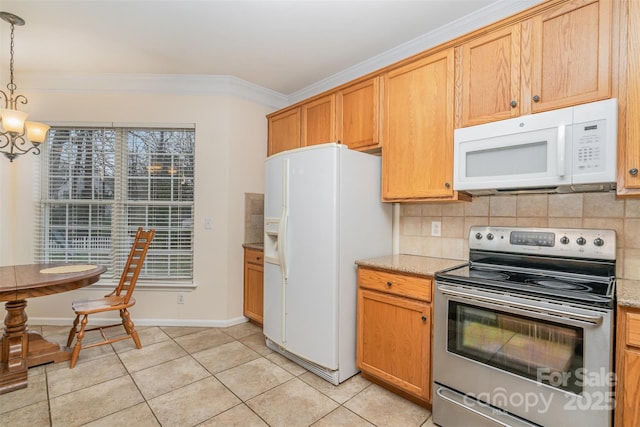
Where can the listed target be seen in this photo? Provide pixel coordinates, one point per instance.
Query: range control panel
(565, 242)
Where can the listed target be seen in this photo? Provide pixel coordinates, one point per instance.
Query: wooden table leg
(23, 349)
(15, 347)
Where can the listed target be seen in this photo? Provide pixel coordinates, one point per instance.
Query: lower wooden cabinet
(627, 411)
(394, 331)
(253, 285)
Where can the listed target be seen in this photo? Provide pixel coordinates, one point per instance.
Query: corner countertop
(257, 246)
(412, 264)
(628, 292)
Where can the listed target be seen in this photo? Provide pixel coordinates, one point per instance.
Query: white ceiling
(284, 46)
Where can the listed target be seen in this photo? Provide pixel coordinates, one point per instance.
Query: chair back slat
(134, 263)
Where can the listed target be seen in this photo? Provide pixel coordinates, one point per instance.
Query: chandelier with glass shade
(17, 135)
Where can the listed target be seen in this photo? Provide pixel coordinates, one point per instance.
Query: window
(99, 185)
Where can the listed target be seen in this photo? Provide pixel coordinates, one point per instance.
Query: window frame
(122, 226)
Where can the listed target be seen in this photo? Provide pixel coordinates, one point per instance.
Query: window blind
(98, 185)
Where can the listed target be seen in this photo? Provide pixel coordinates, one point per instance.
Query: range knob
(564, 240)
(490, 236)
(478, 236)
(598, 241)
(581, 241)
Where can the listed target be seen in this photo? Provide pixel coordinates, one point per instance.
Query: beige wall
(584, 210)
(230, 150)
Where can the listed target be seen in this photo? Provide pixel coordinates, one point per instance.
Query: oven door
(544, 362)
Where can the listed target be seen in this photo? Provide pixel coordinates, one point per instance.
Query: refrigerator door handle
(282, 245)
(282, 232)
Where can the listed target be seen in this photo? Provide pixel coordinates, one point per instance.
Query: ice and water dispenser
(271, 231)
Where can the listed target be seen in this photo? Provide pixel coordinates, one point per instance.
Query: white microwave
(566, 150)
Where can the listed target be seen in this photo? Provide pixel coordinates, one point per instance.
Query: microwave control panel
(589, 146)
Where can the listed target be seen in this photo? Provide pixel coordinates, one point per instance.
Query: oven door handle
(476, 296)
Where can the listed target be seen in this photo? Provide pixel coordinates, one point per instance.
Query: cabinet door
(629, 142)
(631, 383)
(253, 285)
(319, 121)
(284, 131)
(358, 115)
(570, 54)
(417, 158)
(394, 341)
(490, 77)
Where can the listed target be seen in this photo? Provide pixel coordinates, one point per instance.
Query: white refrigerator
(322, 212)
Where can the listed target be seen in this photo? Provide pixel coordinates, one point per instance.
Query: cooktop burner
(484, 274)
(559, 284)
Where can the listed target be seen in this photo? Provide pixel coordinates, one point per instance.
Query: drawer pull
(389, 284)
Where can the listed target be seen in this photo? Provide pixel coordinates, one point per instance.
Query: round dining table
(21, 348)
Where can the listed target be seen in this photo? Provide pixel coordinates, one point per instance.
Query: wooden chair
(120, 299)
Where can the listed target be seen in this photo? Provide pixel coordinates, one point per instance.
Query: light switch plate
(208, 223)
(436, 228)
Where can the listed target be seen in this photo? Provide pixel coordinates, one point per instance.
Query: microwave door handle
(562, 136)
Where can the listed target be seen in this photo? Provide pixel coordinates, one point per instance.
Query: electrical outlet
(436, 228)
(180, 298)
(208, 223)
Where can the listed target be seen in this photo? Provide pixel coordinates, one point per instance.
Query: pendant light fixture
(17, 135)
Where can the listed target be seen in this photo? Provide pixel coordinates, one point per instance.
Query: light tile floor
(185, 376)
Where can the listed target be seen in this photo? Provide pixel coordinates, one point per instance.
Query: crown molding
(485, 16)
(203, 85)
(178, 84)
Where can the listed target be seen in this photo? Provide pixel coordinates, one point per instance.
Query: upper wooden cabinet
(489, 71)
(284, 130)
(359, 115)
(417, 157)
(308, 124)
(319, 121)
(558, 58)
(571, 54)
(629, 98)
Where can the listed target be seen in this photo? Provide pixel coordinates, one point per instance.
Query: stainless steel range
(523, 333)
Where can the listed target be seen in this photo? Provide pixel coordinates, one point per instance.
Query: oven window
(543, 351)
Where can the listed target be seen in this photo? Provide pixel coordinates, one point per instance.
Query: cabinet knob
(389, 284)
(424, 318)
(513, 104)
(447, 185)
(536, 98)
(633, 171)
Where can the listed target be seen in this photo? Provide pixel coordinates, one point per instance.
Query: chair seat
(96, 305)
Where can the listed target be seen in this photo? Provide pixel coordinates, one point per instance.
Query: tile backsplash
(253, 218)
(577, 210)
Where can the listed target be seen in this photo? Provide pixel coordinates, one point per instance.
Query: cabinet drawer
(396, 283)
(254, 256)
(633, 329)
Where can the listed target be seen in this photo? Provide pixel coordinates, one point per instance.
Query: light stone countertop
(412, 264)
(628, 292)
(257, 246)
